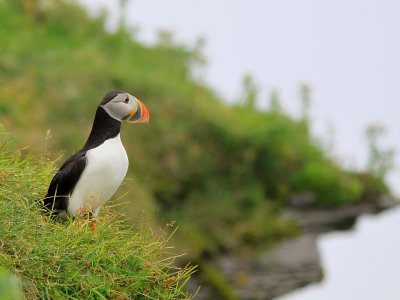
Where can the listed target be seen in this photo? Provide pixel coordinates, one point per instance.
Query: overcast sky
(346, 50)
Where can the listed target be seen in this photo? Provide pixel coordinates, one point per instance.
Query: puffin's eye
(126, 99)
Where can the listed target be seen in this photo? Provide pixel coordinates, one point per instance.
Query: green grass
(69, 261)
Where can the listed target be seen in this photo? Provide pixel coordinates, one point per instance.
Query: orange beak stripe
(145, 113)
(140, 114)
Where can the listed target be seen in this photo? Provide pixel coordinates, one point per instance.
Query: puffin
(90, 177)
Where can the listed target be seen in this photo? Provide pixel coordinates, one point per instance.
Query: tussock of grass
(69, 261)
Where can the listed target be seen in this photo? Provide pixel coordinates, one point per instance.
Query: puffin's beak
(139, 114)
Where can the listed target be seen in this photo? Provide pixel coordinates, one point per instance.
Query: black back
(63, 183)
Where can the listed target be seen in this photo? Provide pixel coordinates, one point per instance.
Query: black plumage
(63, 183)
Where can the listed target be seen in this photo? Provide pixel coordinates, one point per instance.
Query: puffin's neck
(104, 128)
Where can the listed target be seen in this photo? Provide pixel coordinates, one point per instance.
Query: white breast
(105, 169)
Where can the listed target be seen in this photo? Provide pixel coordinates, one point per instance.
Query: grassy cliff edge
(69, 261)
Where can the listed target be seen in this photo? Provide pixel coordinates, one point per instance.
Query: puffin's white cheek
(121, 110)
(117, 110)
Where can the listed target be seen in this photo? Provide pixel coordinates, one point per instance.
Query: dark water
(362, 264)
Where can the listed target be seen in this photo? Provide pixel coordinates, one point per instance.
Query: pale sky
(349, 52)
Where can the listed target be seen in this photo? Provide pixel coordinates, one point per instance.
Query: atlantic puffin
(89, 178)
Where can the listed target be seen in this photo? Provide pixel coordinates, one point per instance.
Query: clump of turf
(69, 261)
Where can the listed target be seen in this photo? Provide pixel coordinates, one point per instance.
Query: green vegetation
(380, 160)
(222, 172)
(69, 261)
(9, 286)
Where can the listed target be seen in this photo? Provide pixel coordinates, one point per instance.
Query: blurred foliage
(10, 287)
(213, 277)
(380, 160)
(250, 91)
(222, 172)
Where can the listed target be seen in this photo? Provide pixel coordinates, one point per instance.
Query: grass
(69, 261)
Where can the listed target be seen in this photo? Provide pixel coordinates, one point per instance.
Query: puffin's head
(125, 107)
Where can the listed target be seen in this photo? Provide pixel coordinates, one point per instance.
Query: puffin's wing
(63, 183)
